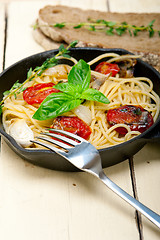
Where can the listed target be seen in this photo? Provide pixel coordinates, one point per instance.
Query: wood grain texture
(57, 205)
(147, 165)
(50, 204)
(2, 43)
(2, 33)
(38, 203)
(137, 6)
(147, 161)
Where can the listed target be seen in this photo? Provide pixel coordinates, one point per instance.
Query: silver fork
(86, 157)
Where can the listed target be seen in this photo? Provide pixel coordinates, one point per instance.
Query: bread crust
(44, 41)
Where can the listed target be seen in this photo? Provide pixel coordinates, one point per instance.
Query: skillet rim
(102, 50)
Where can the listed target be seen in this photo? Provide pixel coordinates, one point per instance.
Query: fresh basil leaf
(54, 105)
(69, 88)
(80, 74)
(94, 95)
(71, 93)
(50, 103)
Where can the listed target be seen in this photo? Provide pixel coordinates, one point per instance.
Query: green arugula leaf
(94, 95)
(80, 74)
(54, 105)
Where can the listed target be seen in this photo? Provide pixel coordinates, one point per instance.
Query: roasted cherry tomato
(38, 92)
(106, 68)
(136, 117)
(72, 124)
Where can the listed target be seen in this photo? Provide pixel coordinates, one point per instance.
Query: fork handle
(152, 216)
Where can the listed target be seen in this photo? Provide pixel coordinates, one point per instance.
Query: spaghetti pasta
(120, 91)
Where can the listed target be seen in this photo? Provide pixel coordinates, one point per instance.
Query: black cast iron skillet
(111, 155)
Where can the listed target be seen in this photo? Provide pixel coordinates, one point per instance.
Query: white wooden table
(37, 203)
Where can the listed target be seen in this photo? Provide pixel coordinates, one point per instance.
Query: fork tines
(64, 140)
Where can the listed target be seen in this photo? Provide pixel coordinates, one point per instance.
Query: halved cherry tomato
(38, 92)
(72, 124)
(136, 117)
(106, 68)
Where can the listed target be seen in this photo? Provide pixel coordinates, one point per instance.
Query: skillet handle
(154, 135)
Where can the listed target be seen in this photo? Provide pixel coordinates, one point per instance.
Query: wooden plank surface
(2, 40)
(43, 204)
(147, 161)
(147, 165)
(134, 6)
(49, 204)
(39, 203)
(2, 33)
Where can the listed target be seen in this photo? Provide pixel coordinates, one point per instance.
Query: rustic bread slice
(148, 47)
(57, 14)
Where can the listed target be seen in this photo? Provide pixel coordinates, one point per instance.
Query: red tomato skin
(38, 92)
(72, 124)
(136, 117)
(106, 68)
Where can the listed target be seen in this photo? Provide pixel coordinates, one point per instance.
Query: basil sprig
(71, 95)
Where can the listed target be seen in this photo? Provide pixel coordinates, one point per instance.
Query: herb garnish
(109, 27)
(31, 74)
(72, 94)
